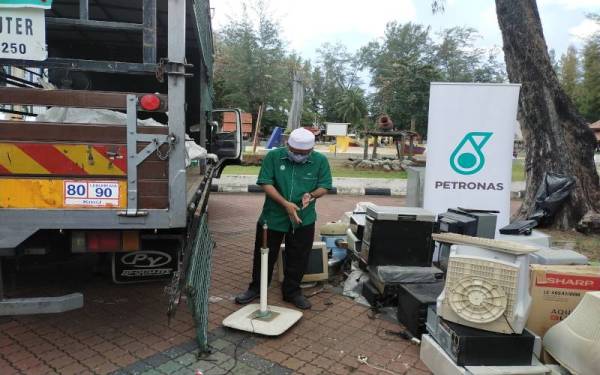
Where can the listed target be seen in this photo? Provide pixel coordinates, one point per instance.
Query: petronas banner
(469, 147)
(43, 4)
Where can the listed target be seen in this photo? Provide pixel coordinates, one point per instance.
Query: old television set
(398, 236)
(317, 268)
(487, 283)
(454, 222)
(470, 222)
(357, 224)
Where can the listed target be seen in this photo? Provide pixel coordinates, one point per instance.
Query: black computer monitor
(455, 222)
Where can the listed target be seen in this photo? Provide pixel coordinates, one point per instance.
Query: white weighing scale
(261, 318)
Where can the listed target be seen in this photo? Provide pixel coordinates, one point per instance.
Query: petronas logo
(467, 158)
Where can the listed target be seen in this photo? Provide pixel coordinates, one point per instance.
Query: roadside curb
(345, 190)
(341, 190)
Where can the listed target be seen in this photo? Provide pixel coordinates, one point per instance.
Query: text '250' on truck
(93, 155)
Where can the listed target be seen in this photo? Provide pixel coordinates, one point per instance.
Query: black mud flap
(144, 265)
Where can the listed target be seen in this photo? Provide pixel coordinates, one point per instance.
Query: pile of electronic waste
(480, 303)
(327, 259)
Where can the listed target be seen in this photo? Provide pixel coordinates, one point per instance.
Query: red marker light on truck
(99, 241)
(150, 102)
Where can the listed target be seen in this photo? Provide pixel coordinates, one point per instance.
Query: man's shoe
(246, 297)
(299, 301)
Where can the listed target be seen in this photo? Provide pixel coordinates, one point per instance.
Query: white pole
(264, 262)
(264, 265)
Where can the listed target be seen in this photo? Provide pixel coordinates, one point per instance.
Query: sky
(307, 24)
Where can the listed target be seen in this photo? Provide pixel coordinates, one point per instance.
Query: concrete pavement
(123, 329)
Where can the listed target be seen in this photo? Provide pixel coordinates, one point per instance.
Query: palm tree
(352, 106)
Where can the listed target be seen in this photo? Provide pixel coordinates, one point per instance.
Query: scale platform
(249, 319)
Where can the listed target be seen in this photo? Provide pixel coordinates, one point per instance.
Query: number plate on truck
(91, 193)
(22, 34)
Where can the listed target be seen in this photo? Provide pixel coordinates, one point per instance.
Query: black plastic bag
(551, 195)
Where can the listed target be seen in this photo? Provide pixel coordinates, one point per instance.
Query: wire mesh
(197, 282)
(193, 275)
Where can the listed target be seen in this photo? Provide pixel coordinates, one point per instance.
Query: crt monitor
(460, 223)
(317, 268)
(454, 221)
(470, 222)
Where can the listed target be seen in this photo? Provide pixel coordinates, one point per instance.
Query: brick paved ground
(123, 328)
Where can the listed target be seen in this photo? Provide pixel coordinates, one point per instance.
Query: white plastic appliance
(575, 342)
(486, 283)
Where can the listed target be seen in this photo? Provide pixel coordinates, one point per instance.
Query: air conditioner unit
(487, 284)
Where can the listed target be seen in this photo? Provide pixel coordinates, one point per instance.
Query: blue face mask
(298, 158)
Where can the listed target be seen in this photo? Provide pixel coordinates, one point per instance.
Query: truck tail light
(131, 240)
(103, 241)
(150, 102)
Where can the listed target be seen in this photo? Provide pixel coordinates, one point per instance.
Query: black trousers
(298, 244)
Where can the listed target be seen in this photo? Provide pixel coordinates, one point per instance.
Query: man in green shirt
(292, 177)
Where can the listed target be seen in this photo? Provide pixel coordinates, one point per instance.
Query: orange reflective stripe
(16, 161)
(51, 159)
(119, 155)
(90, 160)
(62, 159)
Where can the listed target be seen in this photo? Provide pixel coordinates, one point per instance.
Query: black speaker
(376, 299)
(413, 302)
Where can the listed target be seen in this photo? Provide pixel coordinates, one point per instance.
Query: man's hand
(306, 199)
(292, 211)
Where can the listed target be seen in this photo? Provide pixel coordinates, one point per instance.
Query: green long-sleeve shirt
(292, 181)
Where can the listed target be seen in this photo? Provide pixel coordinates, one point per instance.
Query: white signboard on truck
(470, 140)
(22, 33)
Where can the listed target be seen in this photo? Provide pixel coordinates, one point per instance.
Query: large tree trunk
(557, 138)
(295, 114)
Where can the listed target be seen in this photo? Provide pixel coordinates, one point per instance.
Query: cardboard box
(556, 291)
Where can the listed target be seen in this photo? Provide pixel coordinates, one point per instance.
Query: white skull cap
(302, 139)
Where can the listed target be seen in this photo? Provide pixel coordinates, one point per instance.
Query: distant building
(229, 123)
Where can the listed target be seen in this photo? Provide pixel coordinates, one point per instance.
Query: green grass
(589, 245)
(241, 169)
(518, 170)
(351, 172)
(518, 173)
(337, 171)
